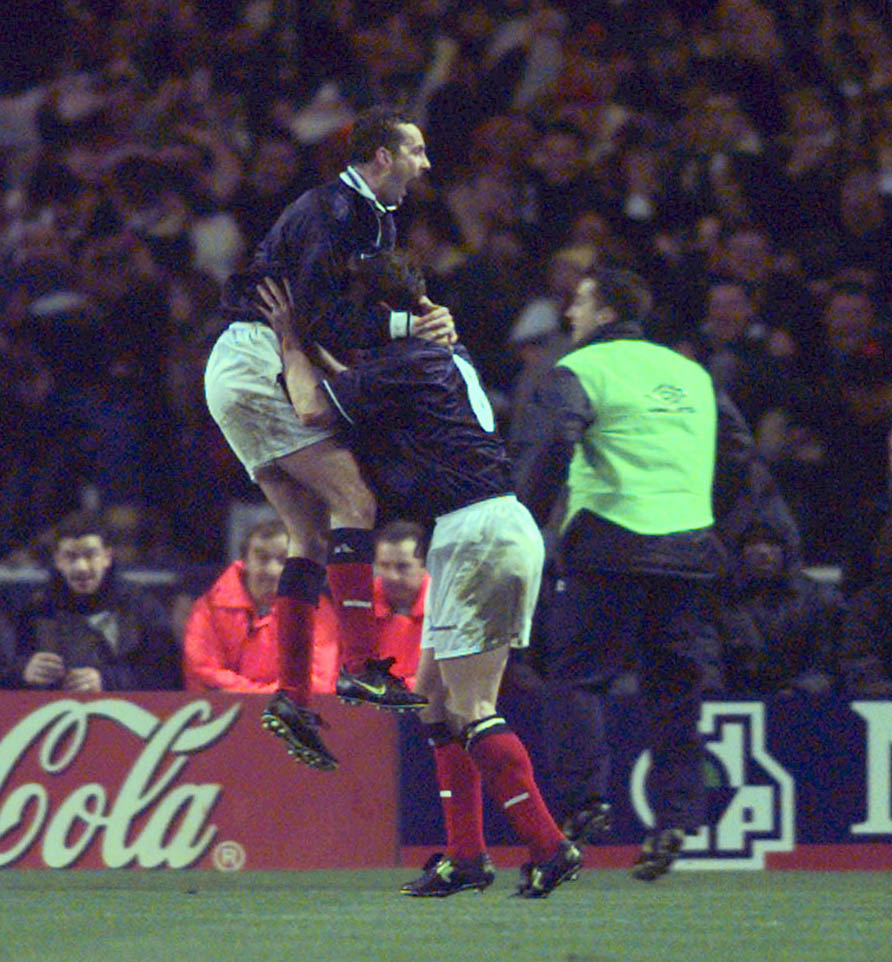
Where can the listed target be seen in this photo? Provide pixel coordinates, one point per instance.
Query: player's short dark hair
(268, 528)
(624, 291)
(375, 127)
(81, 524)
(396, 531)
(390, 276)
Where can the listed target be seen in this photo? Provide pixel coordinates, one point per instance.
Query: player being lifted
(312, 482)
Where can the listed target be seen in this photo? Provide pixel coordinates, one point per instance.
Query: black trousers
(598, 623)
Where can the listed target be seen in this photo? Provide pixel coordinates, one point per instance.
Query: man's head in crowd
(81, 552)
(747, 254)
(762, 551)
(263, 551)
(849, 318)
(560, 154)
(399, 562)
(729, 311)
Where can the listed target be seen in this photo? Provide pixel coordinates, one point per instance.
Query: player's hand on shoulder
(276, 304)
(436, 324)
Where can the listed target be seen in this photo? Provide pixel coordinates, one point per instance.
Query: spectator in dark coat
(7, 647)
(865, 650)
(779, 626)
(90, 631)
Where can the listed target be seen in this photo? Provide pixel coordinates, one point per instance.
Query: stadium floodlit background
(146, 145)
(738, 154)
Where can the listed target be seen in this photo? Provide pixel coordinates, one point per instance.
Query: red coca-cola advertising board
(183, 780)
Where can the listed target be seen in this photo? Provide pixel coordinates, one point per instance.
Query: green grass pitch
(357, 916)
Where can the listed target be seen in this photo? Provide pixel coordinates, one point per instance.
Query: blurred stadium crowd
(737, 154)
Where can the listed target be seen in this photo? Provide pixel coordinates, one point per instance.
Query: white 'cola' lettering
(176, 833)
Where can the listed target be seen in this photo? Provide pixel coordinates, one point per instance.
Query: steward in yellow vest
(630, 429)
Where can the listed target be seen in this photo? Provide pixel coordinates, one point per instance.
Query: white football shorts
(247, 400)
(485, 562)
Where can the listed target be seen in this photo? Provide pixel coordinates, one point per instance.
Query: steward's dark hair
(624, 291)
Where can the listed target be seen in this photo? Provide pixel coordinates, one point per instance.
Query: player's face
(405, 164)
(264, 561)
(82, 562)
(400, 571)
(585, 313)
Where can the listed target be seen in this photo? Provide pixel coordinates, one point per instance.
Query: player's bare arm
(307, 397)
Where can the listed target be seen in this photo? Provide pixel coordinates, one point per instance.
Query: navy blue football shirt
(421, 425)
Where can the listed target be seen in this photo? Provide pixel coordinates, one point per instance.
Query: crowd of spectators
(737, 154)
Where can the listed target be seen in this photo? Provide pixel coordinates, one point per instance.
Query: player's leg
(288, 715)
(331, 472)
(486, 564)
(464, 864)
(246, 400)
(676, 641)
(472, 683)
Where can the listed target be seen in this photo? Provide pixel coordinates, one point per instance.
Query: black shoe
(375, 685)
(442, 876)
(659, 851)
(589, 823)
(538, 879)
(299, 729)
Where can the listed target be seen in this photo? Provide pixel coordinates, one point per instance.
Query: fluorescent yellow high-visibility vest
(647, 461)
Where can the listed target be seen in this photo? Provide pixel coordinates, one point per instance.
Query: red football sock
(507, 774)
(461, 800)
(295, 607)
(352, 583)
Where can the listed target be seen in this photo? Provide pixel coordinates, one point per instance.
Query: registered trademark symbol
(229, 857)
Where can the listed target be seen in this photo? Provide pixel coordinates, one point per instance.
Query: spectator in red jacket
(230, 637)
(400, 590)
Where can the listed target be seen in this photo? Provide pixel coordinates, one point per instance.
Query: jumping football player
(312, 482)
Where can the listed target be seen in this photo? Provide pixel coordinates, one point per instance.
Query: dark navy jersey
(420, 424)
(310, 244)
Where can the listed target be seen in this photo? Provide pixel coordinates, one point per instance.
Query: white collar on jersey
(352, 178)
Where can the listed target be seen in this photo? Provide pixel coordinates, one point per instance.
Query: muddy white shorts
(485, 563)
(247, 400)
